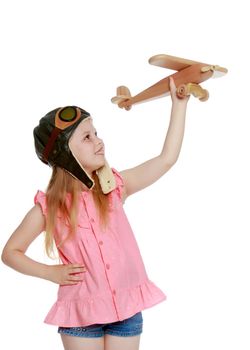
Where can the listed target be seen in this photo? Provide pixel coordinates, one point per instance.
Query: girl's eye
(88, 136)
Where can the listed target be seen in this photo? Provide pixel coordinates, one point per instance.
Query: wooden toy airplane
(187, 79)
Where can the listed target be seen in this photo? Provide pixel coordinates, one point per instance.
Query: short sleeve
(40, 198)
(119, 182)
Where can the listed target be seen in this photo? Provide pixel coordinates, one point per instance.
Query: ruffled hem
(105, 308)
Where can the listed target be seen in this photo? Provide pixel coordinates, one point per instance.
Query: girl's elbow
(7, 255)
(4, 256)
(169, 163)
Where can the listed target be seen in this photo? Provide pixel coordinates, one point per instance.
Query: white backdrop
(192, 226)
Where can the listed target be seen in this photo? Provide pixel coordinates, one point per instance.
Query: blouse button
(107, 266)
(100, 242)
(114, 291)
(92, 220)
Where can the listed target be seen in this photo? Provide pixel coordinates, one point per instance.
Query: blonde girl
(103, 284)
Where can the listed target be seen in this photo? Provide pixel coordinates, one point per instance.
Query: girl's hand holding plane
(175, 99)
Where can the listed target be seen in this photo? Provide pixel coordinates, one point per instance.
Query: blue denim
(125, 328)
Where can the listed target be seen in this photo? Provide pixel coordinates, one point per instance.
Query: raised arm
(145, 174)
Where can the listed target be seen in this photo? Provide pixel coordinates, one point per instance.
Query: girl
(103, 285)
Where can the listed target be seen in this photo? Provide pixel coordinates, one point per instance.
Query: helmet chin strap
(105, 176)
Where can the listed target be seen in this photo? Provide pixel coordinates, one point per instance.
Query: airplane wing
(171, 62)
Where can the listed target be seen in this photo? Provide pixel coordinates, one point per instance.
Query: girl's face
(87, 147)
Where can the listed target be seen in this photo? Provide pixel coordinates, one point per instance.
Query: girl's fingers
(171, 83)
(69, 283)
(75, 278)
(75, 266)
(78, 270)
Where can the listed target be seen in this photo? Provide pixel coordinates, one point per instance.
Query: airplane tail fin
(122, 94)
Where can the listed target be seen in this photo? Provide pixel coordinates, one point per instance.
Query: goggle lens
(68, 114)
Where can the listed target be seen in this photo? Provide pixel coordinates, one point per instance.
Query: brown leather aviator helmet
(51, 138)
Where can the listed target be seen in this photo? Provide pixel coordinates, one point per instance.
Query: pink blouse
(116, 285)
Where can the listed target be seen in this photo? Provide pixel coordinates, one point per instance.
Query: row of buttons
(100, 243)
(107, 265)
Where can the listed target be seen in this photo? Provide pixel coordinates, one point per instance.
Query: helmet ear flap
(106, 178)
(75, 168)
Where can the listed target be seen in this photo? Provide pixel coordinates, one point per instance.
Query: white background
(192, 226)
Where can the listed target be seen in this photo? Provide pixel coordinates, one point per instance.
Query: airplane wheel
(182, 91)
(205, 97)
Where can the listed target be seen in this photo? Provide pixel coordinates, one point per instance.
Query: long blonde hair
(61, 183)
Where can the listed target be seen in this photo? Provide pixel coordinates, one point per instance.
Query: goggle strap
(50, 143)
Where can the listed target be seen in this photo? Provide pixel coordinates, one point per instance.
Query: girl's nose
(99, 140)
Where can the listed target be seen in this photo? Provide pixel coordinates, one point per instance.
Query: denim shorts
(125, 328)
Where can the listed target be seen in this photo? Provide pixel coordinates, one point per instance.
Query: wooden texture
(192, 89)
(188, 72)
(171, 62)
(191, 74)
(178, 63)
